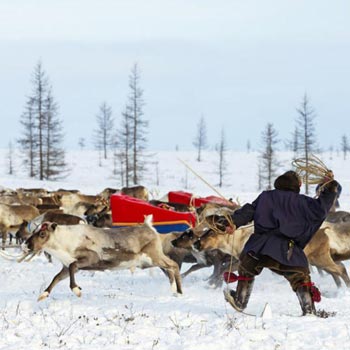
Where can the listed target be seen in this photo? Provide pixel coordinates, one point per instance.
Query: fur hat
(289, 181)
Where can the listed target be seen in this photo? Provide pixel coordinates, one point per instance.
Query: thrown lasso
(313, 170)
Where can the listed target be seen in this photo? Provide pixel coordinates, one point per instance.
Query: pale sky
(239, 63)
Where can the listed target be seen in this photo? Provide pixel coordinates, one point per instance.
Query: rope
(313, 171)
(206, 182)
(206, 218)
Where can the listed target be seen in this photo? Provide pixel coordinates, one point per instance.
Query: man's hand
(225, 224)
(230, 229)
(332, 186)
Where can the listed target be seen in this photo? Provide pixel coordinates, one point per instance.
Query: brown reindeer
(84, 247)
(12, 216)
(171, 206)
(213, 257)
(325, 250)
(140, 192)
(27, 228)
(8, 220)
(320, 253)
(69, 200)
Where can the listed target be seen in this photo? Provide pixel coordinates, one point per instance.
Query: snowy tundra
(124, 310)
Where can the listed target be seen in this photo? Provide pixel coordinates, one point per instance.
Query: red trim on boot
(230, 277)
(315, 292)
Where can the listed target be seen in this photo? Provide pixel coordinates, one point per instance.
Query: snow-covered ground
(121, 310)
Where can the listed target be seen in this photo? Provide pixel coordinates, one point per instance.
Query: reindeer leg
(73, 268)
(59, 277)
(172, 269)
(193, 268)
(4, 236)
(344, 275)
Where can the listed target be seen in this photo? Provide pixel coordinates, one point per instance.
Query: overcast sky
(238, 63)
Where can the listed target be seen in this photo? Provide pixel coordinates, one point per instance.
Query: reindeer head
(207, 241)
(23, 232)
(185, 240)
(40, 236)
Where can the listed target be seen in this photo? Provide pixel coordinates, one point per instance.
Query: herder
(284, 222)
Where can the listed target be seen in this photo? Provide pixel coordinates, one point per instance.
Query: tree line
(44, 156)
(42, 133)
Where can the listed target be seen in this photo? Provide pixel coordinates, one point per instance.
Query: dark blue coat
(282, 218)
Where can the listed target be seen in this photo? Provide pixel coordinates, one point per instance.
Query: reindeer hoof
(43, 296)
(77, 291)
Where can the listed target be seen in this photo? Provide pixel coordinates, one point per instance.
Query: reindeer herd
(77, 230)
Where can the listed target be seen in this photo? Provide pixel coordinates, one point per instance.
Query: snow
(124, 310)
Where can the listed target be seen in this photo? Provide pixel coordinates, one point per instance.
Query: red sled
(130, 211)
(190, 200)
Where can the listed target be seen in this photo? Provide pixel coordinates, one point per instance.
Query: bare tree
(200, 141)
(42, 134)
(40, 88)
(344, 145)
(331, 149)
(81, 143)
(138, 125)
(306, 130)
(249, 146)
(123, 147)
(293, 143)
(221, 149)
(55, 166)
(10, 159)
(28, 142)
(260, 177)
(269, 162)
(104, 133)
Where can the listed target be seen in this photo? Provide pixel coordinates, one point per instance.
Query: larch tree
(344, 145)
(10, 156)
(28, 141)
(138, 125)
(221, 149)
(293, 143)
(103, 135)
(123, 147)
(249, 146)
(200, 141)
(42, 131)
(55, 166)
(40, 89)
(81, 143)
(269, 162)
(306, 132)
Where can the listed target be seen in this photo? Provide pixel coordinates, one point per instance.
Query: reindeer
(84, 247)
(27, 228)
(215, 257)
(8, 219)
(101, 218)
(338, 217)
(69, 200)
(140, 192)
(171, 206)
(107, 192)
(12, 216)
(325, 250)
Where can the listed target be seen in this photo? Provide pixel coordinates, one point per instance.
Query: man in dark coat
(284, 222)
